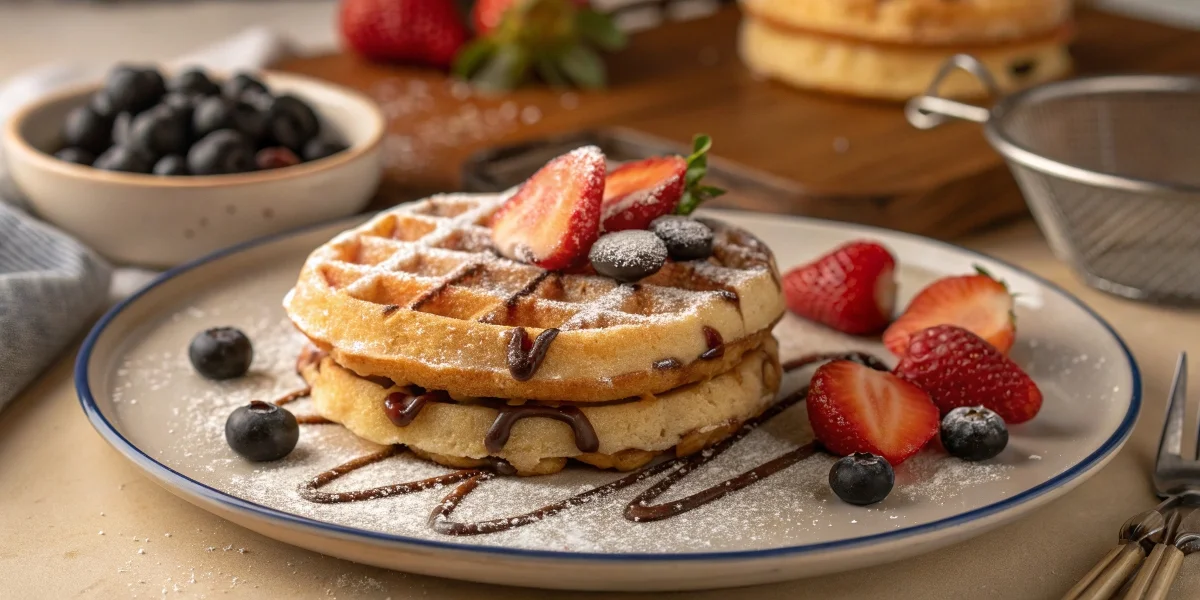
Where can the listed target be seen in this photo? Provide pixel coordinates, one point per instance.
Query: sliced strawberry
(958, 368)
(642, 191)
(850, 289)
(554, 219)
(978, 303)
(853, 408)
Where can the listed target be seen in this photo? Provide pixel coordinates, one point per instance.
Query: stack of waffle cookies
(423, 335)
(892, 49)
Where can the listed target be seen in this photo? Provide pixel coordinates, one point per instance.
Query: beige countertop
(77, 520)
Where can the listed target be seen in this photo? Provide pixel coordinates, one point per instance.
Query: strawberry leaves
(695, 194)
(556, 40)
(599, 29)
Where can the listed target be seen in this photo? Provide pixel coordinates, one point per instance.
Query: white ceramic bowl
(161, 221)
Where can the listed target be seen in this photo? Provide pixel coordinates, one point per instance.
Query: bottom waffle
(890, 71)
(627, 434)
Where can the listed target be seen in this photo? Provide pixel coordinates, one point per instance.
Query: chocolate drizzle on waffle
(585, 435)
(384, 382)
(427, 272)
(638, 510)
(524, 358)
(402, 408)
(667, 364)
(714, 342)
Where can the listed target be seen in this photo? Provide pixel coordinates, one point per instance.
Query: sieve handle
(930, 110)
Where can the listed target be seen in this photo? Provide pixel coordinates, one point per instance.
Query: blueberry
(103, 105)
(275, 157)
(151, 87)
(216, 113)
(292, 122)
(260, 100)
(221, 353)
(87, 129)
(120, 128)
(159, 131)
(171, 164)
(250, 120)
(628, 255)
(193, 82)
(862, 478)
(220, 152)
(133, 89)
(123, 158)
(317, 149)
(78, 156)
(262, 431)
(121, 88)
(183, 105)
(973, 433)
(686, 239)
(242, 83)
(210, 115)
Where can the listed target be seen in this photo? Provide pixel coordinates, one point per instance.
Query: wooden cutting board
(822, 155)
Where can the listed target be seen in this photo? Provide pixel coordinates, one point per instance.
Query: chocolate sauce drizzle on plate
(862, 358)
(310, 490)
(585, 435)
(638, 510)
(524, 359)
(293, 396)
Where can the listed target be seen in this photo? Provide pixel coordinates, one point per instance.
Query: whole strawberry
(850, 289)
(421, 31)
(979, 303)
(958, 368)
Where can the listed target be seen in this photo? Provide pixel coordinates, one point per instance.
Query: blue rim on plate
(118, 441)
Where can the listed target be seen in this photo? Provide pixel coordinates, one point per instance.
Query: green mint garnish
(695, 194)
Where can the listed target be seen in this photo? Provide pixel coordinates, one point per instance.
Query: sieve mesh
(1110, 168)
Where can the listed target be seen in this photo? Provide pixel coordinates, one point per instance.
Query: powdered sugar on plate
(178, 418)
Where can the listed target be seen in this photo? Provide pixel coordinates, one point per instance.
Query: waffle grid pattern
(436, 256)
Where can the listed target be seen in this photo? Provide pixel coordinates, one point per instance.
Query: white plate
(141, 394)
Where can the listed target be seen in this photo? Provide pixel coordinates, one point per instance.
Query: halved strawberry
(853, 408)
(554, 219)
(642, 191)
(958, 368)
(978, 303)
(850, 289)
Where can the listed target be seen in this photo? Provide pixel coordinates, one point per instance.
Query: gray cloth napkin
(51, 286)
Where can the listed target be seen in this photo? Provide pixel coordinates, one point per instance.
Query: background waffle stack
(425, 337)
(892, 49)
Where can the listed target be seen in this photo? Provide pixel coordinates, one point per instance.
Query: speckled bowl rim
(374, 140)
(191, 486)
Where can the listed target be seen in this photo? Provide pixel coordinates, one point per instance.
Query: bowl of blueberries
(156, 168)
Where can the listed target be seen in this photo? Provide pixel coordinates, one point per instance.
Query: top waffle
(418, 294)
(921, 22)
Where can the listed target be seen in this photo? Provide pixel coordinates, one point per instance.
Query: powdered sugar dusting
(791, 507)
(632, 249)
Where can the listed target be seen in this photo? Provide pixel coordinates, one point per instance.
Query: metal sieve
(1110, 168)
